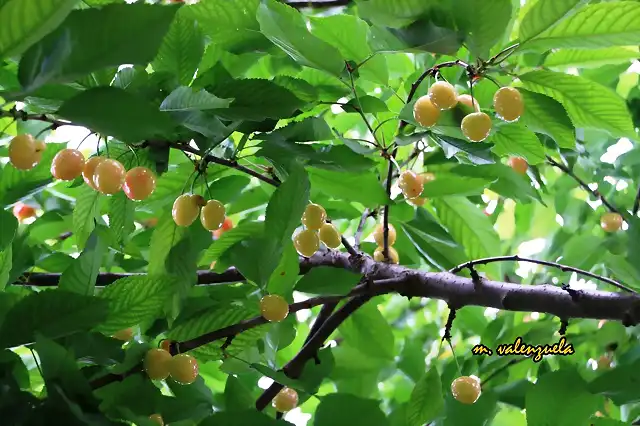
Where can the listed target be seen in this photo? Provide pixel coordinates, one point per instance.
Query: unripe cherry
(139, 183)
(466, 389)
(156, 364)
(212, 215)
(519, 165)
(378, 235)
(378, 255)
(508, 104)
(183, 368)
(425, 112)
(443, 95)
(469, 101)
(274, 308)
(410, 184)
(314, 216)
(125, 335)
(67, 164)
(157, 418)
(89, 170)
(22, 211)
(306, 242)
(611, 222)
(186, 209)
(24, 152)
(330, 236)
(286, 400)
(108, 177)
(476, 126)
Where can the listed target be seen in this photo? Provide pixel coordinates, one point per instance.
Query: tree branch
(636, 202)
(564, 268)
(583, 184)
(318, 4)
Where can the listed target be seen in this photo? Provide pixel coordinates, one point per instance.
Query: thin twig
(583, 184)
(563, 268)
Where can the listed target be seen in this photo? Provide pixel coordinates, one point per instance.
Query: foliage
(268, 105)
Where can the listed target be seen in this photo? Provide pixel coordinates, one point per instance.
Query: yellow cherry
(212, 215)
(378, 235)
(443, 95)
(183, 368)
(286, 400)
(156, 364)
(466, 389)
(508, 104)
(330, 236)
(425, 112)
(306, 242)
(314, 217)
(274, 308)
(611, 222)
(378, 255)
(67, 164)
(476, 126)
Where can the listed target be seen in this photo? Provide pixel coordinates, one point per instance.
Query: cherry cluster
(307, 241)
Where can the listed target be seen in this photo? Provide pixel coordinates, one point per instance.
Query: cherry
(274, 308)
(306, 242)
(410, 184)
(156, 364)
(466, 389)
(476, 126)
(519, 165)
(157, 418)
(126, 334)
(226, 226)
(25, 152)
(330, 236)
(604, 362)
(378, 235)
(378, 255)
(183, 368)
(285, 400)
(425, 112)
(90, 169)
(139, 183)
(418, 201)
(508, 104)
(212, 215)
(611, 222)
(443, 95)
(108, 177)
(186, 209)
(314, 216)
(469, 101)
(67, 164)
(22, 211)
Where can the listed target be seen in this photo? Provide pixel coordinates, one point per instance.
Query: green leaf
(588, 104)
(6, 262)
(165, 236)
(485, 22)
(468, 226)
(80, 277)
(426, 399)
(396, 14)
(545, 14)
(18, 184)
(287, 205)
(619, 384)
(349, 34)
(104, 37)
(311, 129)
(241, 232)
(85, 213)
(343, 409)
(136, 299)
(560, 398)
(285, 27)
(215, 318)
(185, 99)
(59, 367)
(450, 184)
(516, 140)
(476, 153)
(328, 280)
(121, 217)
(286, 273)
(254, 100)
(256, 258)
(592, 58)
(51, 313)
(231, 26)
(24, 22)
(543, 114)
(117, 113)
(182, 48)
(237, 396)
(363, 187)
(593, 26)
(242, 418)
(369, 332)
(8, 228)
